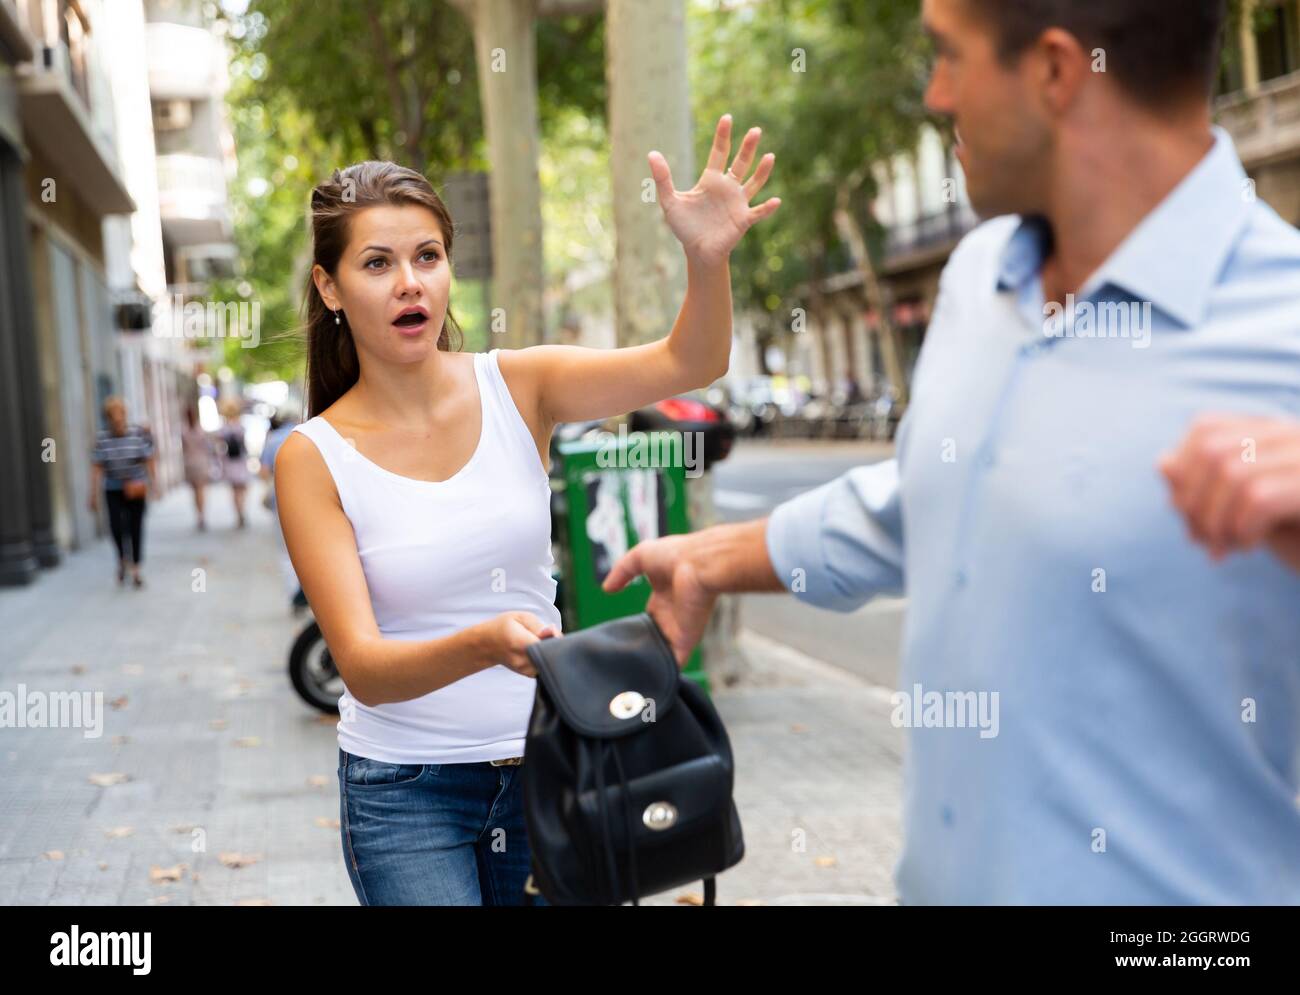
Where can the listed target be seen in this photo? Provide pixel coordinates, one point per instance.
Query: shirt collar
(1174, 256)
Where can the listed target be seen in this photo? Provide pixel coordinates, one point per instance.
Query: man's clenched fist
(1236, 480)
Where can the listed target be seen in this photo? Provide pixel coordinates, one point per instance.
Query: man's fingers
(1266, 503)
(627, 568)
(661, 611)
(721, 144)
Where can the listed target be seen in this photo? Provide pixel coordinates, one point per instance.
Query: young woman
(197, 455)
(415, 505)
(234, 464)
(124, 467)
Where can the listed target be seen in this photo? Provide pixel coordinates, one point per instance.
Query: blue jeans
(433, 834)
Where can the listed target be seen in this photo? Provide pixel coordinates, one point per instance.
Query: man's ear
(325, 286)
(1064, 66)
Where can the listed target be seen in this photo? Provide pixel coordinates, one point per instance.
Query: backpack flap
(603, 678)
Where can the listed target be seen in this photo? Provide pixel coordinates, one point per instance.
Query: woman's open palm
(710, 218)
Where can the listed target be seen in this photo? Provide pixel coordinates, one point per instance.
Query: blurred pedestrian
(281, 427)
(197, 454)
(123, 465)
(234, 464)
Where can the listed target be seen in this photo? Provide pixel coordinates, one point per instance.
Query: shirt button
(945, 814)
(986, 458)
(959, 578)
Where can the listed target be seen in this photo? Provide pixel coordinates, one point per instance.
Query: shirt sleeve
(840, 544)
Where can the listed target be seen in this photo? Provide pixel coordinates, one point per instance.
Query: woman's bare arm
(323, 549)
(575, 383)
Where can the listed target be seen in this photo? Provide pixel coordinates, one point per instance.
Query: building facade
(101, 223)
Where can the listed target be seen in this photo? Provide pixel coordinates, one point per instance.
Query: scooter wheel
(312, 671)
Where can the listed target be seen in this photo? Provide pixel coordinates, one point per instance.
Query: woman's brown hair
(332, 364)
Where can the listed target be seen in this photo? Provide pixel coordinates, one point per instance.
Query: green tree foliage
(318, 85)
(835, 85)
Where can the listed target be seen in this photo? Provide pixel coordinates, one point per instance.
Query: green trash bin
(611, 504)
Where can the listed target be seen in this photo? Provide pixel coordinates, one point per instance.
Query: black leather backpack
(627, 770)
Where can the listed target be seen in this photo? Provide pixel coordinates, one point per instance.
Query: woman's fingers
(662, 176)
(721, 144)
(764, 210)
(745, 157)
(755, 183)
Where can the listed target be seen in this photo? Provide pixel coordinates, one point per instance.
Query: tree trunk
(649, 108)
(505, 44)
(891, 346)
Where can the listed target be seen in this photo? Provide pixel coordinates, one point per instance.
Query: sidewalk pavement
(213, 784)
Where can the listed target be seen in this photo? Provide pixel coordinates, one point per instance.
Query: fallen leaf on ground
(117, 832)
(53, 855)
(159, 875)
(237, 860)
(104, 780)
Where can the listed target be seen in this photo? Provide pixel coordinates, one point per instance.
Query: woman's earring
(336, 316)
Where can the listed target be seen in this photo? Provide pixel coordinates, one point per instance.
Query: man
(1148, 742)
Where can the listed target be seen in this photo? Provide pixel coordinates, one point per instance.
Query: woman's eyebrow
(384, 248)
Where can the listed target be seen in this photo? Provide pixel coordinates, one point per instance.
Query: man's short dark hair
(1159, 51)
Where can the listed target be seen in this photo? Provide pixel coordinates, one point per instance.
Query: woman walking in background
(235, 463)
(123, 466)
(197, 452)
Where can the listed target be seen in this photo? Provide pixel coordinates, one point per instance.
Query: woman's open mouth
(411, 322)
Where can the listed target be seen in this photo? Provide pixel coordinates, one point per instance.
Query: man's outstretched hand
(680, 604)
(1236, 481)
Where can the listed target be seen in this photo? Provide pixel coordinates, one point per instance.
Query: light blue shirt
(1144, 742)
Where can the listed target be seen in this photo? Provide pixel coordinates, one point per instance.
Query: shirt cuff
(794, 545)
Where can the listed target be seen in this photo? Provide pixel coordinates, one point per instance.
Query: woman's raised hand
(710, 218)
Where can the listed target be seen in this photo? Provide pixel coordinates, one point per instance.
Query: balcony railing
(929, 231)
(183, 61)
(1265, 124)
(193, 185)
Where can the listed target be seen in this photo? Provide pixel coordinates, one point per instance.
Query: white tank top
(441, 556)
